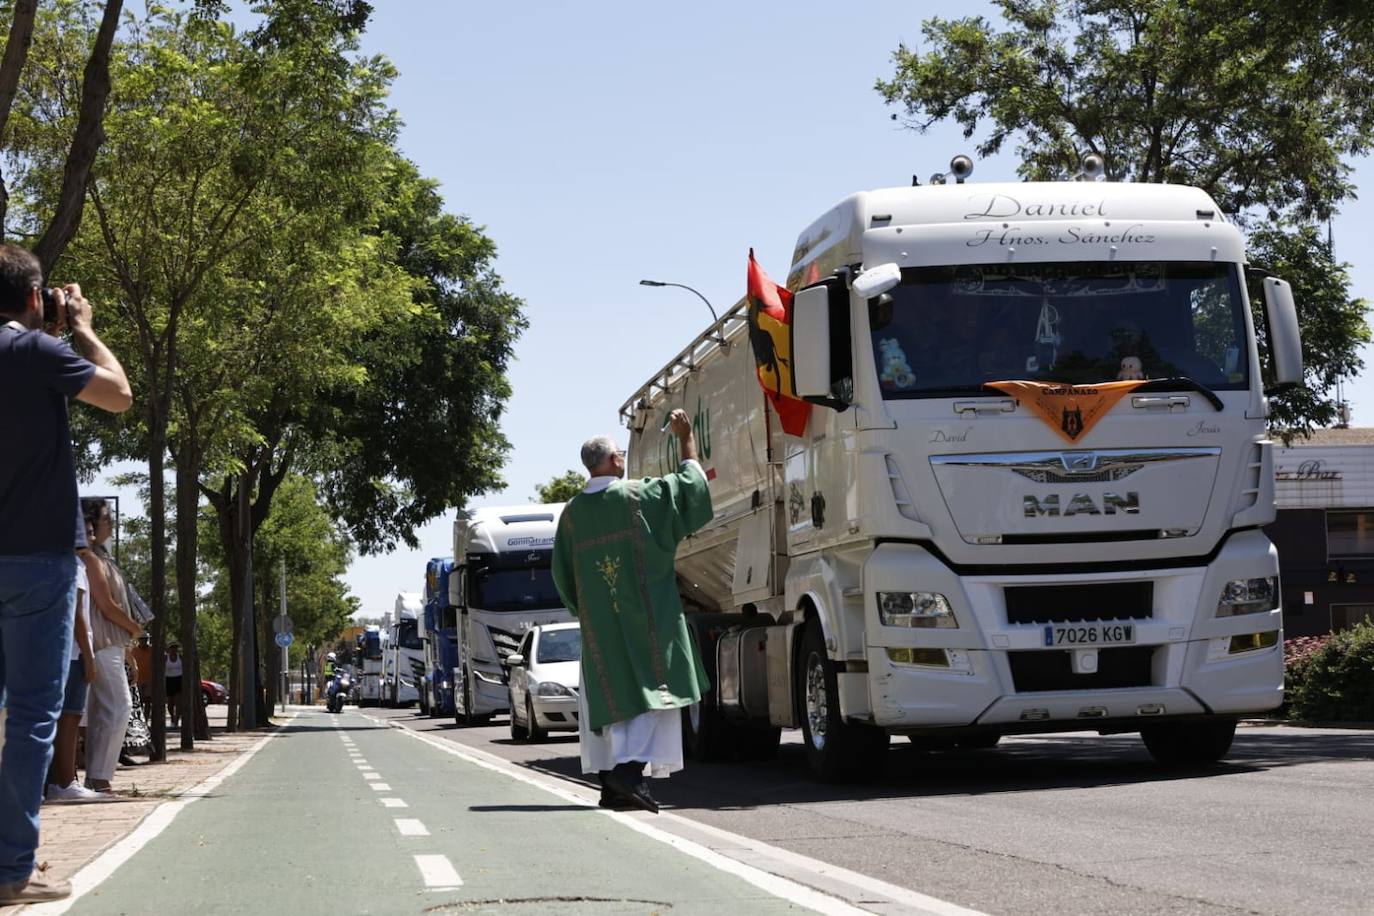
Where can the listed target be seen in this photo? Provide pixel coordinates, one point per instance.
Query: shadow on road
(1047, 763)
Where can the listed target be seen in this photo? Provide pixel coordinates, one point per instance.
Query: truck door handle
(976, 407)
(1173, 402)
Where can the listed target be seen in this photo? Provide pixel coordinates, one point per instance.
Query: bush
(1331, 678)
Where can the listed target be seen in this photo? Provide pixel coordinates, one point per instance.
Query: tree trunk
(248, 709)
(188, 504)
(16, 54)
(86, 141)
(273, 653)
(226, 507)
(157, 519)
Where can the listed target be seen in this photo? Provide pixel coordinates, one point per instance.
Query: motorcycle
(338, 690)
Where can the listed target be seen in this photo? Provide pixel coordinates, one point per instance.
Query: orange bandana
(1070, 410)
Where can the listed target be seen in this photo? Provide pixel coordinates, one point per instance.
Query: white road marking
(379, 786)
(372, 776)
(364, 767)
(90, 877)
(409, 826)
(438, 873)
(828, 889)
(393, 803)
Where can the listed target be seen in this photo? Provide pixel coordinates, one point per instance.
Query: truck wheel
(706, 734)
(837, 751)
(1189, 744)
(424, 697)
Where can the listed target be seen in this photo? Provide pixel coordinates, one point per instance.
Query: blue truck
(438, 631)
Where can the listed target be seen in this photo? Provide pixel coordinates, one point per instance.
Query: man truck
(1030, 491)
(368, 680)
(501, 586)
(438, 627)
(403, 652)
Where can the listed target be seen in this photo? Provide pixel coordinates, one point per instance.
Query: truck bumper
(1183, 660)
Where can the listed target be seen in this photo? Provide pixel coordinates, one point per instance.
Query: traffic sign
(284, 639)
(282, 624)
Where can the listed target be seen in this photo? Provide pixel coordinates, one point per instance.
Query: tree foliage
(1263, 107)
(561, 487)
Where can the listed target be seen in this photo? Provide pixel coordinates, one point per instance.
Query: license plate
(1094, 634)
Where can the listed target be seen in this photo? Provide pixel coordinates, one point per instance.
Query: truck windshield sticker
(948, 331)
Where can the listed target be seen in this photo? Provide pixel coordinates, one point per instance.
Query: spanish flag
(770, 319)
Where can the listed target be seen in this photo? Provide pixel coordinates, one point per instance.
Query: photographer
(40, 529)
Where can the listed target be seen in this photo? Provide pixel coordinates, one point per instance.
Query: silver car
(545, 673)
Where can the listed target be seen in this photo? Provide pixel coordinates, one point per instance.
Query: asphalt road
(1070, 824)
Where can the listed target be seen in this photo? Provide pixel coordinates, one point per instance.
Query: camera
(51, 318)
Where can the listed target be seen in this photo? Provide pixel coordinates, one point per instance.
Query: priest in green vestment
(613, 565)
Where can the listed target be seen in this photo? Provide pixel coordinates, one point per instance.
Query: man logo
(1081, 504)
(1072, 422)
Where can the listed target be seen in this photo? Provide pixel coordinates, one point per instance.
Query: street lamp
(714, 318)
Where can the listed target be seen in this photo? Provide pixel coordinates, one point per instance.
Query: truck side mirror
(811, 342)
(1285, 341)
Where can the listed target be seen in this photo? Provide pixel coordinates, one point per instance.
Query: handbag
(138, 737)
(138, 608)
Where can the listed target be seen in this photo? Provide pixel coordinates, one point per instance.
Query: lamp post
(714, 318)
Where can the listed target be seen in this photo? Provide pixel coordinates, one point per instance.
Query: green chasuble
(613, 565)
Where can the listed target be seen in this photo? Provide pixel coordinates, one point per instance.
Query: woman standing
(107, 708)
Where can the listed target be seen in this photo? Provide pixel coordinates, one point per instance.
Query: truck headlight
(916, 609)
(1248, 596)
(551, 689)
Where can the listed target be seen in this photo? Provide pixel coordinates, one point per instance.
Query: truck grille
(1070, 603)
(506, 642)
(1123, 666)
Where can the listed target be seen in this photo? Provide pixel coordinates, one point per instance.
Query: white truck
(403, 653)
(501, 586)
(369, 671)
(931, 557)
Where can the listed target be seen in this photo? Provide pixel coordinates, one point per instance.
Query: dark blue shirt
(38, 499)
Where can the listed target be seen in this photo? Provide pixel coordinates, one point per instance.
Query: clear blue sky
(599, 144)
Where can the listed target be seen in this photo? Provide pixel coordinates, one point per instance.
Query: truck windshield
(371, 645)
(559, 646)
(408, 635)
(948, 330)
(512, 588)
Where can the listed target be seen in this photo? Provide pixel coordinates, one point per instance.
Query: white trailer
(369, 670)
(934, 560)
(501, 586)
(403, 652)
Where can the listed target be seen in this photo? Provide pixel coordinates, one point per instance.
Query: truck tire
(706, 733)
(466, 717)
(1189, 744)
(424, 698)
(836, 750)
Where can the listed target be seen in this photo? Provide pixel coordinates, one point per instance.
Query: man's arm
(682, 428)
(108, 388)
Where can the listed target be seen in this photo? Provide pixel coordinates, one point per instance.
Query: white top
(83, 611)
(597, 484)
(173, 666)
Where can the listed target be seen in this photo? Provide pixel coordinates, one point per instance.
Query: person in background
(107, 714)
(141, 664)
(173, 681)
(613, 566)
(62, 784)
(39, 531)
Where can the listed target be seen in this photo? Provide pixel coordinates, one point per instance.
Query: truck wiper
(1185, 383)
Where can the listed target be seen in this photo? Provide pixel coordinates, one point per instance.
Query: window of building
(1350, 534)
(1345, 616)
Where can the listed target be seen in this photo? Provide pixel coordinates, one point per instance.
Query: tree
(1261, 107)
(561, 488)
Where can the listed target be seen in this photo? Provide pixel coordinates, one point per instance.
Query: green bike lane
(342, 814)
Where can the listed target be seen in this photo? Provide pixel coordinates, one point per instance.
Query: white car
(545, 673)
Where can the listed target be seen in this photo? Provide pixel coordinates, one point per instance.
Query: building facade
(1324, 488)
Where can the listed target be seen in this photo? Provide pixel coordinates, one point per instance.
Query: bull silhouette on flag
(770, 332)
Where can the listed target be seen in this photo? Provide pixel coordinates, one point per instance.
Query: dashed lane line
(393, 803)
(379, 786)
(372, 776)
(409, 826)
(800, 879)
(438, 873)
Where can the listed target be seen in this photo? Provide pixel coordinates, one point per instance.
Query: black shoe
(627, 781)
(126, 760)
(614, 802)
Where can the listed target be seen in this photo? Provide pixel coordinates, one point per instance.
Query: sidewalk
(75, 834)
